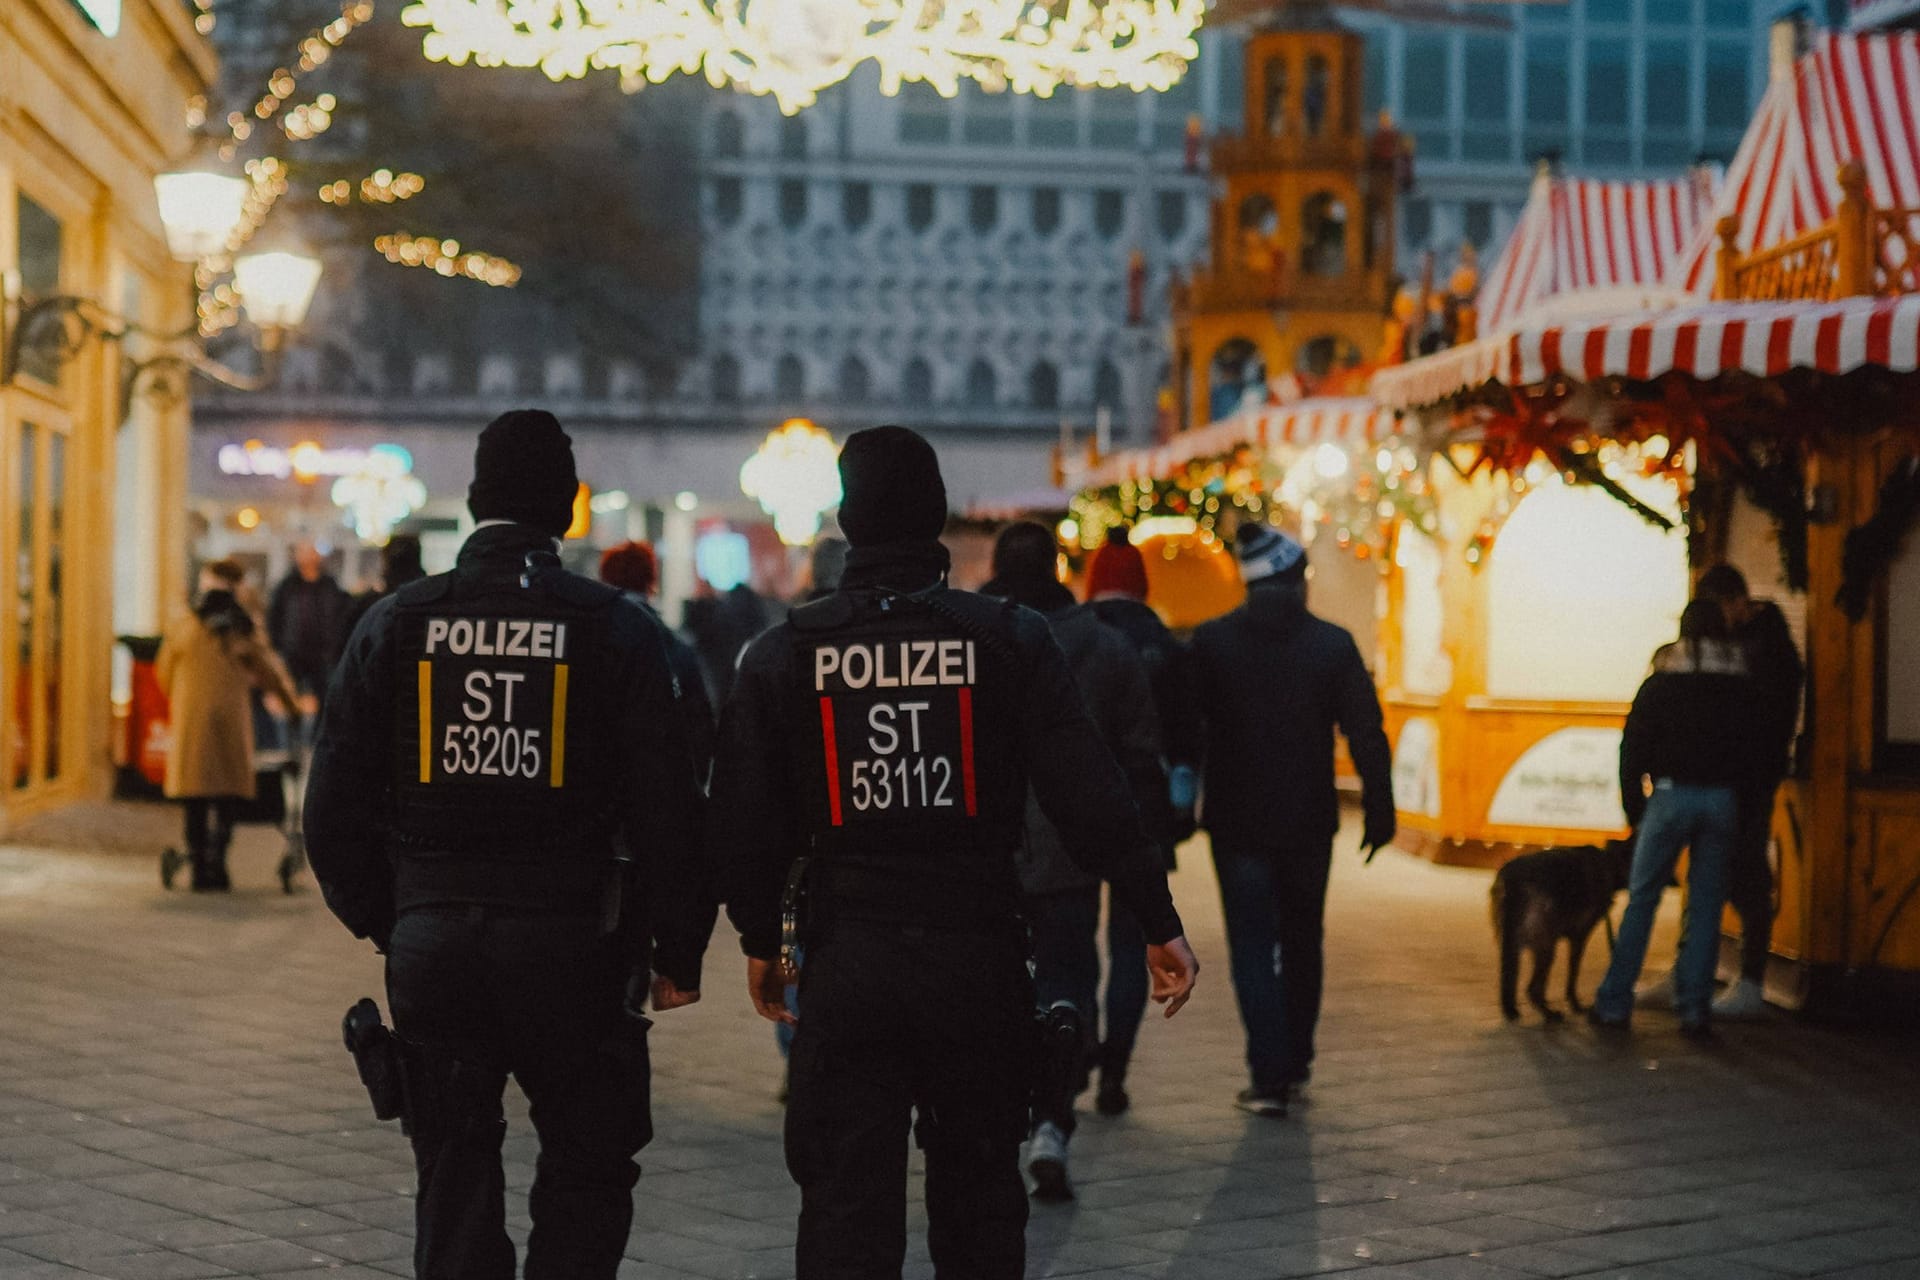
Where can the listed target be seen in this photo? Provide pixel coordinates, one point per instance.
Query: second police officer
(888, 734)
(503, 801)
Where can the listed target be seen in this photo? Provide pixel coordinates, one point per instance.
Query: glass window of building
(1669, 13)
(856, 383)
(40, 248)
(1668, 103)
(1172, 213)
(987, 117)
(728, 135)
(793, 137)
(20, 758)
(1546, 110)
(1417, 218)
(925, 116)
(726, 379)
(1478, 218)
(1727, 15)
(1727, 69)
(1115, 118)
(920, 207)
(1054, 121)
(1229, 59)
(789, 379)
(1427, 78)
(1109, 212)
(983, 387)
(1107, 390)
(1171, 110)
(1488, 135)
(1609, 11)
(856, 204)
(793, 202)
(916, 384)
(1043, 386)
(1375, 72)
(1608, 100)
(983, 208)
(53, 597)
(1046, 210)
(728, 201)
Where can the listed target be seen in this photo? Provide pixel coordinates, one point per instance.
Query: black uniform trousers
(487, 992)
(897, 1021)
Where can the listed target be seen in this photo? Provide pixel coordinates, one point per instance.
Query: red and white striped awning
(1341, 420)
(1580, 234)
(1765, 339)
(1851, 98)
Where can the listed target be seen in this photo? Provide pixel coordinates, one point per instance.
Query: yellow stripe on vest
(559, 776)
(426, 722)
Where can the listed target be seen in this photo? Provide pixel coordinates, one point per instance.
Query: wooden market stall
(1785, 382)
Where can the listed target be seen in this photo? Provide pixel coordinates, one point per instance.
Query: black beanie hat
(523, 471)
(1025, 552)
(891, 490)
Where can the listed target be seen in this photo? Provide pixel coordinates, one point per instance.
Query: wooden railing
(1860, 252)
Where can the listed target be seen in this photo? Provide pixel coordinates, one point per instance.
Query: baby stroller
(279, 793)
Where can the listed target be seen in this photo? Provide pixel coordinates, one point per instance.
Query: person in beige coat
(209, 663)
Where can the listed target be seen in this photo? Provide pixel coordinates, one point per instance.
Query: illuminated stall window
(1581, 591)
(1424, 667)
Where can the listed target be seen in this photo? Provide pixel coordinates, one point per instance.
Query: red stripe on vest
(966, 751)
(833, 759)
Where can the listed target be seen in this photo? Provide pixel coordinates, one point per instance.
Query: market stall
(1786, 385)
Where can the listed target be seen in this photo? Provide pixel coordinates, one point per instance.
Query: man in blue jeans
(1692, 743)
(1273, 683)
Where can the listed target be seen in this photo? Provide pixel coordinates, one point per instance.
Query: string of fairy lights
(268, 177)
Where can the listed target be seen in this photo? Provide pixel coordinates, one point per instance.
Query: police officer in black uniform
(888, 735)
(502, 801)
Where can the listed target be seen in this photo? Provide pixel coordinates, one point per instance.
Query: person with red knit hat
(635, 569)
(1117, 595)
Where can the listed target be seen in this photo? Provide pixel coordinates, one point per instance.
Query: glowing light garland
(382, 186)
(447, 258)
(792, 49)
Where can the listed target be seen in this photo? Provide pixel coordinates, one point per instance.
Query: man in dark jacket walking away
(1117, 595)
(1690, 749)
(635, 569)
(1062, 899)
(889, 734)
(1773, 663)
(502, 801)
(307, 621)
(1273, 682)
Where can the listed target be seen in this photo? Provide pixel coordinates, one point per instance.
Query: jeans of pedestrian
(1750, 880)
(1127, 988)
(1274, 897)
(1066, 966)
(902, 1021)
(1679, 817)
(487, 993)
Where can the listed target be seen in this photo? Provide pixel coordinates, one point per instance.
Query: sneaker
(1602, 1022)
(1655, 991)
(1047, 1162)
(1263, 1102)
(1744, 999)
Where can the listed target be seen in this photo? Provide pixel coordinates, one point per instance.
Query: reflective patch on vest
(897, 729)
(492, 703)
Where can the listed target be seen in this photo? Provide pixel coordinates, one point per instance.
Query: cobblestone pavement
(174, 1103)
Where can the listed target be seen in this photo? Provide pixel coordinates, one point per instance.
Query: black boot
(204, 876)
(217, 843)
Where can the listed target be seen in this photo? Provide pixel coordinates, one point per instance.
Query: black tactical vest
(905, 734)
(501, 732)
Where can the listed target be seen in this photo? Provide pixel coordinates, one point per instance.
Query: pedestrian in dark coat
(635, 569)
(1779, 679)
(1690, 749)
(1117, 595)
(307, 618)
(1274, 682)
(1063, 898)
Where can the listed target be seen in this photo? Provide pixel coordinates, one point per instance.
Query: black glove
(1379, 832)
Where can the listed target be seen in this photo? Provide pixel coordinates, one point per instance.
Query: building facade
(92, 106)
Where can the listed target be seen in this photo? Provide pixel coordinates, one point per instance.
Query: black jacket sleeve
(1633, 752)
(1361, 724)
(661, 814)
(346, 816)
(1080, 786)
(751, 835)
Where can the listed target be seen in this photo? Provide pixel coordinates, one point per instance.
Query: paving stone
(154, 1125)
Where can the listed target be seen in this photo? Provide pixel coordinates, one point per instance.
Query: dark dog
(1540, 898)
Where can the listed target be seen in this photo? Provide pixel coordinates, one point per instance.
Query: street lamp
(276, 288)
(795, 476)
(199, 210)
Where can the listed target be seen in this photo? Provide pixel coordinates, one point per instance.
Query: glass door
(34, 656)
